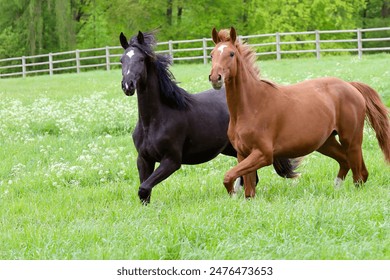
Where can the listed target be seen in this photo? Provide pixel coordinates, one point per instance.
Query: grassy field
(68, 180)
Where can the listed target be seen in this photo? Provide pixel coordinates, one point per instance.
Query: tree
(376, 13)
(30, 27)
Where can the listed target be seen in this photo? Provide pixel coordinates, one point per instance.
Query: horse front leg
(247, 167)
(246, 180)
(166, 168)
(250, 184)
(145, 168)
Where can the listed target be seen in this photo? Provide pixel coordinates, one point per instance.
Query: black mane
(172, 95)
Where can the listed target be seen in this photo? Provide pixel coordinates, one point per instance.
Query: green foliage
(38, 26)
(338, 14)
(68, 180)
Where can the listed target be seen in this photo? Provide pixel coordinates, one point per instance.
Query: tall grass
(68, 180)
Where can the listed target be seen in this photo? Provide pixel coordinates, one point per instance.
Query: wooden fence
(270, 46)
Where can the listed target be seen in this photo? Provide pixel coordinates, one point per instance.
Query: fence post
(318, 48)
(78, 61)
(107, 58)
(204, 51)
(170, 47)
(24, 66)
(278, 54)
(360, 43)
(51, 64)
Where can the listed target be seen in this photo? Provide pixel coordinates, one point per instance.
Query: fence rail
(272, 46)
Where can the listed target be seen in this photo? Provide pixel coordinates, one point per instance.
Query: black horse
(174, 127)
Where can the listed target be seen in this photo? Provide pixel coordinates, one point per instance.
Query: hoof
(232, 193)
(358, 184)
(144, 196)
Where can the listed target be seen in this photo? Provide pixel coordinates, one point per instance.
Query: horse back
(315, 108)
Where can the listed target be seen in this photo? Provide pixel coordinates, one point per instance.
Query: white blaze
(130, 53)
(221, 48)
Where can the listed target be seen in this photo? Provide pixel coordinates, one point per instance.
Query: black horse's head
(133, 60)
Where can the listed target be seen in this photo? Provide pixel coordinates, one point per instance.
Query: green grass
(68, 180)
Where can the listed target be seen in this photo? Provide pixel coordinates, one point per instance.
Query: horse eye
(211, 56)
(231, 54)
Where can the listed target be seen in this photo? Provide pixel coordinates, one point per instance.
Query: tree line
(30, 27)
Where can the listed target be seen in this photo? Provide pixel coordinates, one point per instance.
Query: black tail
(285, 167)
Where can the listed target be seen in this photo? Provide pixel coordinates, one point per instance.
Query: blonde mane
(246, 52)
(249, 57)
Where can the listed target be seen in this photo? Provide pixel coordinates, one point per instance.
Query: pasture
(68, 180)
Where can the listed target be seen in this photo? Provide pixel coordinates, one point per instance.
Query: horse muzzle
(216, 81)
(128, 87)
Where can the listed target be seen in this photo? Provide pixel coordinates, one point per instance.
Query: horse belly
(203, 147)
(206, 134)
(200, 157)
(293, 151)
(305, 124)
(296, 144)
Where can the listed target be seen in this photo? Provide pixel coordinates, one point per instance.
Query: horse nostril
(128, 85)
(209, 78)
(219, 77)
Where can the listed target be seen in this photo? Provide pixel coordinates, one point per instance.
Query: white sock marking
(237, 187)
(338, 182)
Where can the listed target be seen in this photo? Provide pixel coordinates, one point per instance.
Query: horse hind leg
(332, 148)
(355, 159)
(353, 149)
(250, 181)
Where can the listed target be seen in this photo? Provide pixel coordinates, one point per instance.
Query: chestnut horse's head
(223, 57)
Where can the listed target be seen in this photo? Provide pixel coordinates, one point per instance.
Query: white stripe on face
(130, 53)
(221, 48)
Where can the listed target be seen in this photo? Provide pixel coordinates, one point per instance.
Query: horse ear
(215, 36)
(233, 35)
(123, 40)
(140, 38)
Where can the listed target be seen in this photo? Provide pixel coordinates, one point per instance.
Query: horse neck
(148, 93)
(241, 91)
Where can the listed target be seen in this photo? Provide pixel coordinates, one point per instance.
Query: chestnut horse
(269, 120)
